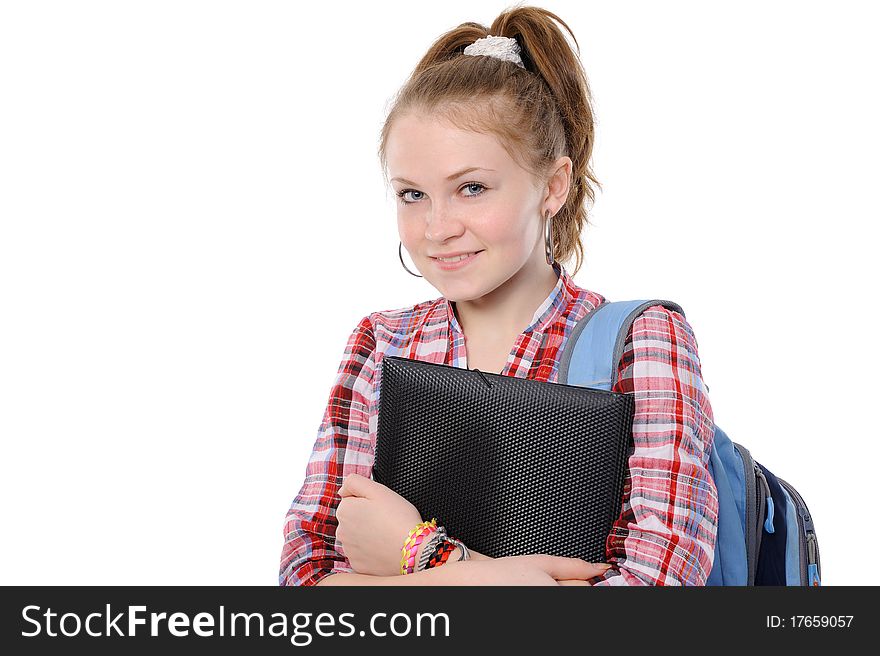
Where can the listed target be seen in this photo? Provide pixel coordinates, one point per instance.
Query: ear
(558, 185)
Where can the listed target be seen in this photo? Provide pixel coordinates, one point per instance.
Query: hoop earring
(548, 238)
(400, 255)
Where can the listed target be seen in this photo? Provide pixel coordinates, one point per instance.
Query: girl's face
(460, 192)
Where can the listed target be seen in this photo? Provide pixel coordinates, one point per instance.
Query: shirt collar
(554, 305)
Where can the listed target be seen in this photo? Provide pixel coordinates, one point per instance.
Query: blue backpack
(765, 533)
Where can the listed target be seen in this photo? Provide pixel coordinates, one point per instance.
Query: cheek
(512, 230)
(408, 230)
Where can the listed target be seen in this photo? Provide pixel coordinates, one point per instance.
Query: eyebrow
(448, 177)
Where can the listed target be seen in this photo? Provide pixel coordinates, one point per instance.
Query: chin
(466, 290)
(456, 291)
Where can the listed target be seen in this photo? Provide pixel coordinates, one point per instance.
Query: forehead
(425, 146)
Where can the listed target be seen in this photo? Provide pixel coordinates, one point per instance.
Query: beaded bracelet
(411, 545)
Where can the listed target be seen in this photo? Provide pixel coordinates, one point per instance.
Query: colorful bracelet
(465, 554)
(429, 546)
(445, 548)
(441, 555)
(411, 545)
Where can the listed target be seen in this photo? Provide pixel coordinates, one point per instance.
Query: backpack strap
(595, 346)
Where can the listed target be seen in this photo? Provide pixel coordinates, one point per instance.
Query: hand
(532, 569)
(374, 521)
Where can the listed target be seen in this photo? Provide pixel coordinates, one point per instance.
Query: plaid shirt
(666, 531)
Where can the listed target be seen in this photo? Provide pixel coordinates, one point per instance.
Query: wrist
(447, 574)
(413, 545)
(428, 546)
(421, 549)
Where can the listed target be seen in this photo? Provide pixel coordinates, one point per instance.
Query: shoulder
(661, 345)
(660, 323)
(407, 319)
(420, 325)
(390, 332)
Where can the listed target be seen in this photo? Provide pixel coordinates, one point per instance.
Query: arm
(312, 553)
(666, 532)
(533, 569)
(342, 447)
(447, 574)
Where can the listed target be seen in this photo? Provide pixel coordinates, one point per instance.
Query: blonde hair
(538, 113)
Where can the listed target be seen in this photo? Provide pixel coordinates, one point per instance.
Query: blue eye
(475, 184)
(403, 192)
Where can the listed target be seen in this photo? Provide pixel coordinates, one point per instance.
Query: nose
(441, 225)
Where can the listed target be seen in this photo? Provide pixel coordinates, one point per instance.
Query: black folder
(508, 465)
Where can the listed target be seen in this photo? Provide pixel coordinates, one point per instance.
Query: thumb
(572, 568)
(355, 485)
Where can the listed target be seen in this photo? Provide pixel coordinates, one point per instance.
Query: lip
(455, 254)
(452, 266)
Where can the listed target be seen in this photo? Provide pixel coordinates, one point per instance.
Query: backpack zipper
(809, 546)
(768, 500)
(813, 551)
(802, 537)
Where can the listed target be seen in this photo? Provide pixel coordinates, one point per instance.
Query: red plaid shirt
(666, 531)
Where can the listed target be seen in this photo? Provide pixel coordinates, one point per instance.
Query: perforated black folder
(508, 465)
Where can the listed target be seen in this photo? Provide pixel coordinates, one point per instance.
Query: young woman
(488, 149)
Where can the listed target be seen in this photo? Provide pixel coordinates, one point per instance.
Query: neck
(509, 308)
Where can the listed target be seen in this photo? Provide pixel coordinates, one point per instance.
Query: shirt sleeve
(666, 531)
(343, 447)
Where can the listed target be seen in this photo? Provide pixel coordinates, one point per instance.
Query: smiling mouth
(457, 258)
(456, 263)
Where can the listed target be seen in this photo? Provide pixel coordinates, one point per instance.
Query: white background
(193, 220)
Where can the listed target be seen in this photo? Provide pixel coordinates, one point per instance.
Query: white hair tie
(500, 47)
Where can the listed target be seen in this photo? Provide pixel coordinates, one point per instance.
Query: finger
(355, 485)
(342, 509)
(349, 506)
(560, 567)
